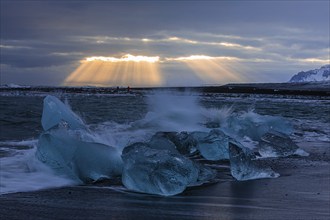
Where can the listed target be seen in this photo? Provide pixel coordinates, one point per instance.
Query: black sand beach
(301, 192)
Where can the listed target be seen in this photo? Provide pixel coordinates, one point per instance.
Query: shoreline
(301, 192)
(303, 88)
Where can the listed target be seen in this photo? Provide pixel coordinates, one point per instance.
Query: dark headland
(301, 88)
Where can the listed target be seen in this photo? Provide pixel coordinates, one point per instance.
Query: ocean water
(121, 119)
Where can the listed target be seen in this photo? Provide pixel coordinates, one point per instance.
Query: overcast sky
(43, 42)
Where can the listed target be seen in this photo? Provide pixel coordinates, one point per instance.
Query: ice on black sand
(245, 166)
(277, 144)
(69, 147)
(160, 171)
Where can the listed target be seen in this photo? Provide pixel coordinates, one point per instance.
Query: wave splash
(21, 171)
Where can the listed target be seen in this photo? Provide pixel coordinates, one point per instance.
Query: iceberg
(277, 144)
(81, 161)
(212, 145)
(160, 171)
(56, 113)
(244, 166)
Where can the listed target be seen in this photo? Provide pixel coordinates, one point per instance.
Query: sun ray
(129, 70)
(212, 69)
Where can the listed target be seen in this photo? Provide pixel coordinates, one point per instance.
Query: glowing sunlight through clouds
(144, 71)
(129, 70)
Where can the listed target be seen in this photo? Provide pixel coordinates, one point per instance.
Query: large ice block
(159, 171)
(80, 160)
(244, 166)
(212, 145)
(57, 113)
(277, 144)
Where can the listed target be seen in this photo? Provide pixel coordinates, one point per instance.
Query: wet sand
(301, 192)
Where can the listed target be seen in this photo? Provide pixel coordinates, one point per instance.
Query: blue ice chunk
(159, 171)
(57, 154)
(254, 125)
(176, 142)
(56, 113)
(161, 142)
(82, 161)
(244, 166)
(205, 175)
(212, 145)
(185, 143)
(277, 144)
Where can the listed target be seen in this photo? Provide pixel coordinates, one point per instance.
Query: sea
(119, 119)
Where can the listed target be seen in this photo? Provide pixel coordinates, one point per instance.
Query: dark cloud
(41, 34)
(32, 60)
(36, 19)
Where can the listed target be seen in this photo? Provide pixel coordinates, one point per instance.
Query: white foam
(22, 172)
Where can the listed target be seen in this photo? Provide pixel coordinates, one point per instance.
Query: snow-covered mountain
(322, 74)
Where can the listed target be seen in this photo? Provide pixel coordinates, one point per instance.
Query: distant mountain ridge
(322, 74)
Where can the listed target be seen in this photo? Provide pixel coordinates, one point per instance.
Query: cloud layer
(43, 42)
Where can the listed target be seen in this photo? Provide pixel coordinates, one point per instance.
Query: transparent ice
(185, 143)
(69, 148)
(182, 142)
(244, 166)
(161, 141)
(254, 125)
(160, 172)
(277, 144)
(56, 112)
(79, 160)
(212, 145)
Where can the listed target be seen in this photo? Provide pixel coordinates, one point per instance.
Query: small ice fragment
(159, 171)
(56, 113)
(212, 145)
(244, 166)
(301, 152)
(277, 144)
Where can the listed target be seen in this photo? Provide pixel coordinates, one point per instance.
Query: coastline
(301, 192)
(302, 88)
